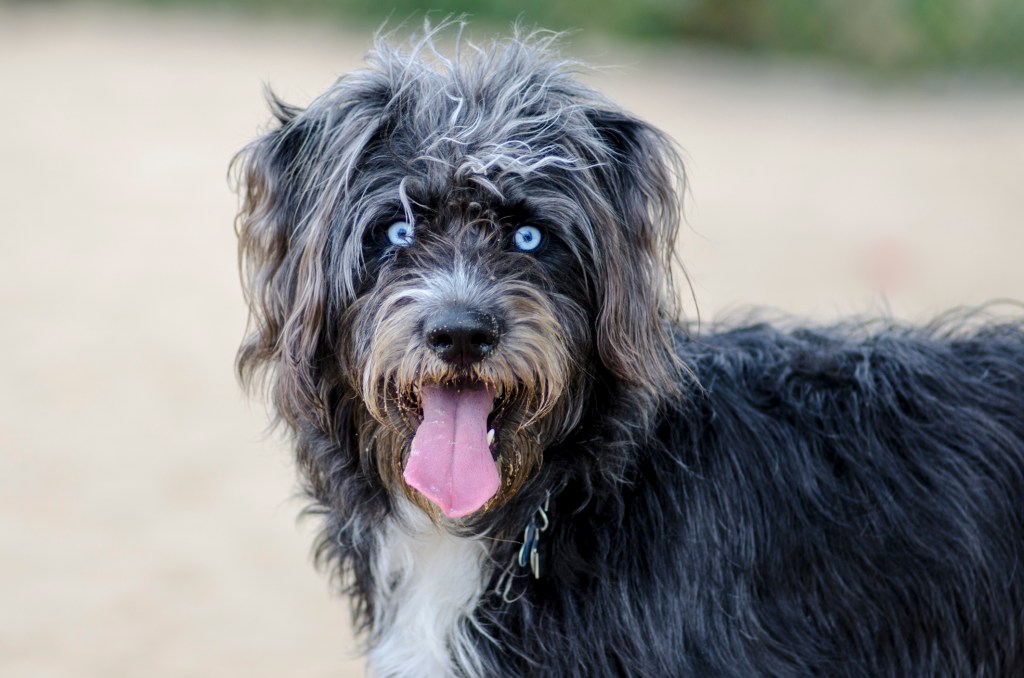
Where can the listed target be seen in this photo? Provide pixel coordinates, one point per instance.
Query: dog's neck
(428, 584)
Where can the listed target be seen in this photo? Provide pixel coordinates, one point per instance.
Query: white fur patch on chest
(428, 583)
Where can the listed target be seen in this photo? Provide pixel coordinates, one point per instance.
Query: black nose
(462, 337)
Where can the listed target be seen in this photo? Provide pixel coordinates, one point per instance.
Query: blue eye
(527, 238)
(400, 233)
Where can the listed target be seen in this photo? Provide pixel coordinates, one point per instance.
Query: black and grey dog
(461, 306)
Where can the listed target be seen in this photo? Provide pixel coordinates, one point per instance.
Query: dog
(459, 272)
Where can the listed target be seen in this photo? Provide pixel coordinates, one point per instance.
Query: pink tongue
(450, 462)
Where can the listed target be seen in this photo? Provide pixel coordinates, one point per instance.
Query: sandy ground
(147, 526)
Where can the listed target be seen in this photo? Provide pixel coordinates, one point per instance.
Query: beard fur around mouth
(528, 412)
(408, 407)
(513, 447)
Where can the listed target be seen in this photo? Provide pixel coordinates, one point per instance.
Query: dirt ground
(147, 524)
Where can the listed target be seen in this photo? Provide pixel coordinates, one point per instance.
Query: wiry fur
(747, 502)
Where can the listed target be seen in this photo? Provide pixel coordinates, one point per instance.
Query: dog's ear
(643, 182)
(270, 174)
(290, 183)
(294, 182)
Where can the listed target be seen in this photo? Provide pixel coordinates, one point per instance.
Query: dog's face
(446, 260)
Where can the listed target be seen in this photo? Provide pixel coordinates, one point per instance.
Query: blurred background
(845, 158)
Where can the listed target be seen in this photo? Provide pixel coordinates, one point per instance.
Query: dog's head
(447, 259)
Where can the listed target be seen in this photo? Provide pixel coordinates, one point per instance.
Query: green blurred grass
(881, 34)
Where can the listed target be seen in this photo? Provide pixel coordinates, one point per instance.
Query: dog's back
(820, 506)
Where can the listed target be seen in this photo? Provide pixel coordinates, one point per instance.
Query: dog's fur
(846, 501)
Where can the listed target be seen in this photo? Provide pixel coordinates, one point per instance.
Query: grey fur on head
(463, 148)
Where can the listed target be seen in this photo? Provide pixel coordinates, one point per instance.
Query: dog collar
(539, 523)
(529, 552)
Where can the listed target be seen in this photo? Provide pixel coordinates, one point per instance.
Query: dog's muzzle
(451, 461)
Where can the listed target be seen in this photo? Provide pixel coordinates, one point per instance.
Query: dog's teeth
(490, 437)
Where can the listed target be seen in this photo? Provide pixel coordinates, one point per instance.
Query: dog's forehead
(475, 136)
(471, 182)
(457, 203)
(493, 178)
(486, 167)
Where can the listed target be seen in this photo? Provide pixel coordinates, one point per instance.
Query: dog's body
(459, 278)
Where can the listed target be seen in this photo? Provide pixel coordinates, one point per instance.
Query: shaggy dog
(461, 307)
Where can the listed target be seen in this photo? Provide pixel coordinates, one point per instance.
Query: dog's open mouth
(450, 460)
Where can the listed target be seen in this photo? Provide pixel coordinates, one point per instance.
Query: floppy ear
(643, 182)
(277, 279)
(293, 184)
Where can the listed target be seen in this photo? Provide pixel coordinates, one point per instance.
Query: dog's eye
(527, 238)
(400, 233)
